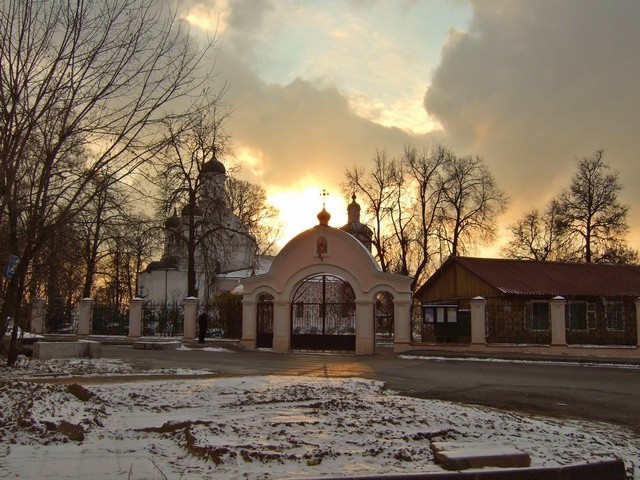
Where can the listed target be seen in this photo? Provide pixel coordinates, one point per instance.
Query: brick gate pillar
(85, 317)
(558, 321)
(281, 326)
(190, 316)
(365, 330)
(478, 320)
(249, 324)
(638, 322)
(401, 325)
(135, 318)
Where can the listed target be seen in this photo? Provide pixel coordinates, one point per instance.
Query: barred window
(582, 316)
(615, 316)
(536, 315)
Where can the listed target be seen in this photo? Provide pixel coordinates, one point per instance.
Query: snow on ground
(260, 428)
(562, 363)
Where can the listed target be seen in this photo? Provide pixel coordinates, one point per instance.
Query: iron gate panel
(323, 315)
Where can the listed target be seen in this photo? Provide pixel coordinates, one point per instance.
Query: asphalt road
(604, 393)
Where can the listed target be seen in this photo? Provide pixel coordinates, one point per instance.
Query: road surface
(606, 393)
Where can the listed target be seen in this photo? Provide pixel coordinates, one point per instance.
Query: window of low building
(615, 316)
(582, 315)
(536, 315)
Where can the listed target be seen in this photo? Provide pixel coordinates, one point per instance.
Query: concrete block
(93, 348)
(459, 456)
(80, 349)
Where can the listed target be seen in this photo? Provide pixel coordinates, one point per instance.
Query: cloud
(300, 130)
(532, 85)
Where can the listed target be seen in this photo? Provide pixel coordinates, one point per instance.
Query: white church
(222, 260)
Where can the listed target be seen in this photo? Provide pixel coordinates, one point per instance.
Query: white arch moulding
(326, 250)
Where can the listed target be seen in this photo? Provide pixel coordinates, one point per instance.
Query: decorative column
(558, 321)
(37, 315)
(85, 317)
(281, 326)
(190, 315)
(249, 324)
(365, 331)
(135, 318)
(478, 320)
(638, 322)
(401, 325)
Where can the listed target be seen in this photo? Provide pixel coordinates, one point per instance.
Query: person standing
(203, 322)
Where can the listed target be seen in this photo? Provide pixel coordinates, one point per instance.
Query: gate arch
(323, 314)
(329, 252)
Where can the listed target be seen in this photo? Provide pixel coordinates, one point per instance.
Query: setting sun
(299, 207)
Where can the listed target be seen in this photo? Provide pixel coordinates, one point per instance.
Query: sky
(258, 427)
(317, 86)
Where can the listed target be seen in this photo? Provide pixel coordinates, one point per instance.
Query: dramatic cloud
(532, 85)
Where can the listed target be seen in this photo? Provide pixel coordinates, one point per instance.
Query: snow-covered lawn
(257, 427)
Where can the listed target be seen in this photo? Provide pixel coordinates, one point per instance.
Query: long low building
(600, 301)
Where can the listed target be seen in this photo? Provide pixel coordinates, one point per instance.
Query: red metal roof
(526, 277)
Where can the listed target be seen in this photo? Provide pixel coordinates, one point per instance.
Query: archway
(323, 314)
(328, 254)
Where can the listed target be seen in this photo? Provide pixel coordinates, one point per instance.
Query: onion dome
(164, 264)
(173, 221)
(214, 166)
(324, 217)
(356, 228)
(191, 209)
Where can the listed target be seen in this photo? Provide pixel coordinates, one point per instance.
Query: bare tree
(426, 173)
(192, 143)
(541, 236)
(248, 202)
(378, 189)
(590, 208)
(82, 85)
(472, 202)
(422, 201)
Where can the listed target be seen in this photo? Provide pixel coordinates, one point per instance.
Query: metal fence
(601, 323)
(518, 323)
(109, 319)
(225, 320)
(61, 318)
(162, 319)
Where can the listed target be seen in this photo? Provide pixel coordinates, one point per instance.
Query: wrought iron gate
(323, 315)
(264, 336)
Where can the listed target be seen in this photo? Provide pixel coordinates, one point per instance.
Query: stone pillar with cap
(478, 320)
(85, 317)
(558, 321)
(190, 316)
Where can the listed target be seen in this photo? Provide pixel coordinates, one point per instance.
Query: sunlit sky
(320, 85)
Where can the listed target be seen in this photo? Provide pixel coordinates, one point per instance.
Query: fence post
(478, 320)
(365, 330)
(85, 317)
(401, 324)
(558, 321)
(281, 326)
(638, 322)
(190, 314)
(37, 315)
(135, 318)
(249, 324)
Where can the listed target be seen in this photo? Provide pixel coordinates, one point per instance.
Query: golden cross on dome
(324, 196)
